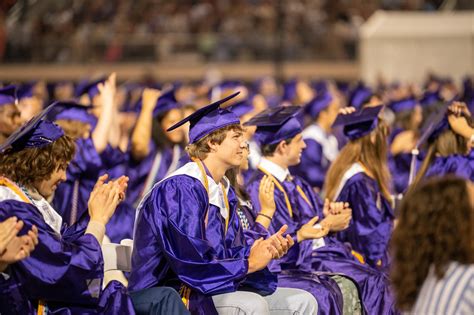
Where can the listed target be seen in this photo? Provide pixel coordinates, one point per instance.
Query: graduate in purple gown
(322, 286)
(154, 153)
(279, 135)
(96, 147)
(321, 145)
(404, 137)
(33, 163)
(449, 139)
(10, 116)
(360, 176)
(188, 233)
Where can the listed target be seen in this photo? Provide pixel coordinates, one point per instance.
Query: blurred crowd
(145, 30)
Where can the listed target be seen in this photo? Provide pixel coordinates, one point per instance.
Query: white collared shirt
(277, 171)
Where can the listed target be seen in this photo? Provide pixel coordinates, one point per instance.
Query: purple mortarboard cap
(36, 133)
(435, 124)
(166, 102)
(208, 119)
(318, 104)
(243, 107)
(402, 105)
(89, 87)
(276, 124)
(289, 90)
(8, 95)
(359, 96)
(343, 87)
(230, 84)
(25, 90)
(360, 123)
(72, 111)
(320, 86)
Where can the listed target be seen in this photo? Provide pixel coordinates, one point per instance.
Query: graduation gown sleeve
(57, 264)
(171, 241)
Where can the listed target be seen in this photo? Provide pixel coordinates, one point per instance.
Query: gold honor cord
(287, 201)
(280, 188)
(206, 185)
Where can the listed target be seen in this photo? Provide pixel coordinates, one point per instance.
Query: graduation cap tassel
(414, 156)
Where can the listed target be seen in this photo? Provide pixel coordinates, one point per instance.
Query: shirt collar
(276, 170)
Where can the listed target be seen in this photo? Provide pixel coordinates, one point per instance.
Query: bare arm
(100, 136)
(142, 133)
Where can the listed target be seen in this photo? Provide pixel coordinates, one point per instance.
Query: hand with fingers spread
(309, 232)
(281, 243)
(337, 216)
(261, 253)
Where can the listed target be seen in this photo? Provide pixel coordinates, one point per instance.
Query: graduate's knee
(240, 302)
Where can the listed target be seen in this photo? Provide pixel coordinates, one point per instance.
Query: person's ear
(281, 147)
(213, 146)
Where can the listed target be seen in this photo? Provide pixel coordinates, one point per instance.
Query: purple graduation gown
(139, 171)
(334, 256)
(173, 246)
(459, 165)
(372, 219)
(64, 271)
(71, 197)
(121, 224)
(323, 288)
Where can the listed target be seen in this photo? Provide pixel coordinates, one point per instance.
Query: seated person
(433, 248)
(188, 233)
(33, 161)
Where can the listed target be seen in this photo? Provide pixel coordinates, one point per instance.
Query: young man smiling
(188, 233)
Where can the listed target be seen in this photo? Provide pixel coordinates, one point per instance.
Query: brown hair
(269, 149)
(200, 149)
(73, 128)
(435, 227)
(372, 155)
(31, 165)
(447, 143)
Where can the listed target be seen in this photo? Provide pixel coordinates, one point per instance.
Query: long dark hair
(240, 191)
(435, 227)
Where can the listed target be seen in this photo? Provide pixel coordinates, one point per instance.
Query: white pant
(284, 301)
